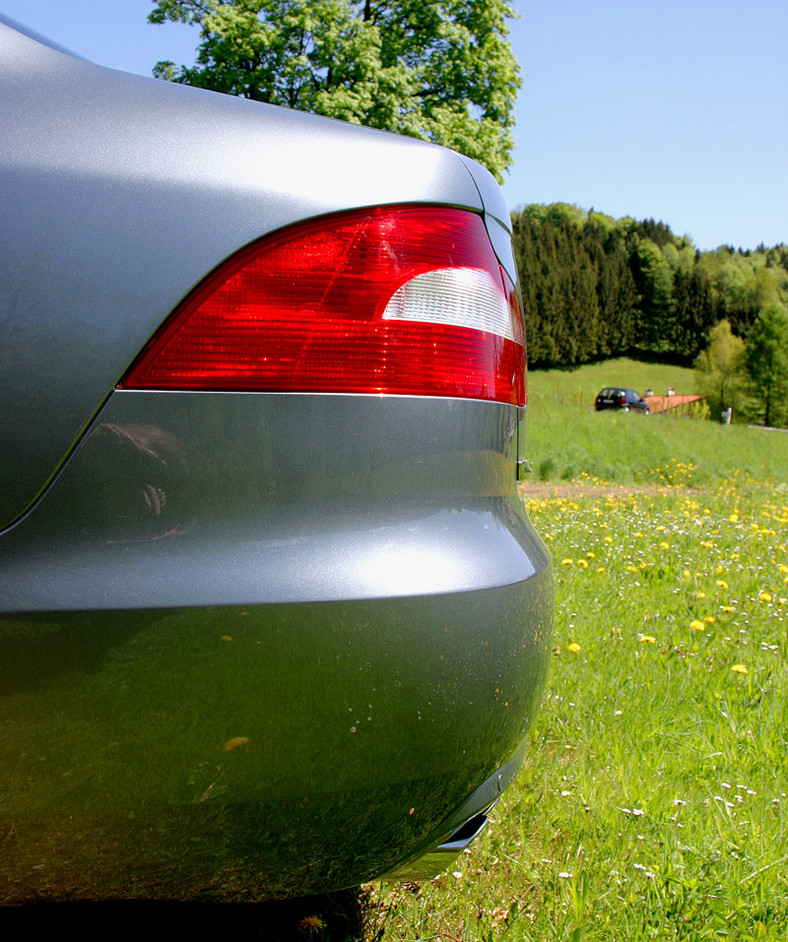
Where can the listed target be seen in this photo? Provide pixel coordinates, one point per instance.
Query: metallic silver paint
(120, 193)
(360, 496)
(252, 644)
(247, 751)
(211, 568)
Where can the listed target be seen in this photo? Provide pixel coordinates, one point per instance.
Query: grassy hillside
(568, 439)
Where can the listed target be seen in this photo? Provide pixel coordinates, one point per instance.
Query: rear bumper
(263, 658)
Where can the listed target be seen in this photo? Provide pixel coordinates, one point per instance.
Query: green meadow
(567, 439)
(654, 801)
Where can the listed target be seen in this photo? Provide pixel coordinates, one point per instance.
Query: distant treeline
(595, 287)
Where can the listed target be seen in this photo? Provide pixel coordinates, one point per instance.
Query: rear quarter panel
(120, 193)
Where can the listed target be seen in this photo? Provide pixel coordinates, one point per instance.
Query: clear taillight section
(404, 300)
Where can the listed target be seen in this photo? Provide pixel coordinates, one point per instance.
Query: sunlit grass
(579, 386)
(567, 438)
(653, 804)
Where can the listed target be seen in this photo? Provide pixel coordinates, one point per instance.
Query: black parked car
(616, 397)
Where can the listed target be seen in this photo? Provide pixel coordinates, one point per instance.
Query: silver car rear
(256, 641)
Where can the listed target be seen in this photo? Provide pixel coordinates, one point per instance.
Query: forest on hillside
(596, 287)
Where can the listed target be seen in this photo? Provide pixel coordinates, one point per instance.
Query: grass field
(653, 804)
(567, 438)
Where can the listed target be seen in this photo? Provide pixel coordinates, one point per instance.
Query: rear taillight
(407, 300)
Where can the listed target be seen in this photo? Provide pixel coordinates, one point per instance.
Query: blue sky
(671, 109)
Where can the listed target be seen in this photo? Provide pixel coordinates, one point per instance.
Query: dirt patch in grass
(545, 489)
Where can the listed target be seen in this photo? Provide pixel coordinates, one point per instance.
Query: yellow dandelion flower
(235, 742)
(567, 562)
(226, 638)
(608, 539)
(722, 584)
(710, 619)
(638, 535)
(735, 556)
(311, 924)
(740, 669)
(765, 597)
(582, 563)
(701, 595)
(631, 568)
(734, 518)
(728, 608)
(687, 574)
(600, 568)
(697, 625)
(591, 555)
(707, 544)
(573, 646)
(648, 639)
(664, 545)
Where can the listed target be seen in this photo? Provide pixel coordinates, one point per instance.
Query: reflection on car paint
(117, 762)
(143, 499)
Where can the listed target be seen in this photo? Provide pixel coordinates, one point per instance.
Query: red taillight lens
(409, 300)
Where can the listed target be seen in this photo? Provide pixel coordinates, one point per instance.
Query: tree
(656, 295)
(720, 370)
(767, 363)
(694, 313)
(654, 280)
(441, 71)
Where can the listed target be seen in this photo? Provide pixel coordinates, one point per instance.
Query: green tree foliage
(767, 364)
(441, 71)
(654, 279)
(560, 300)
(654, 293)
(720, 371)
